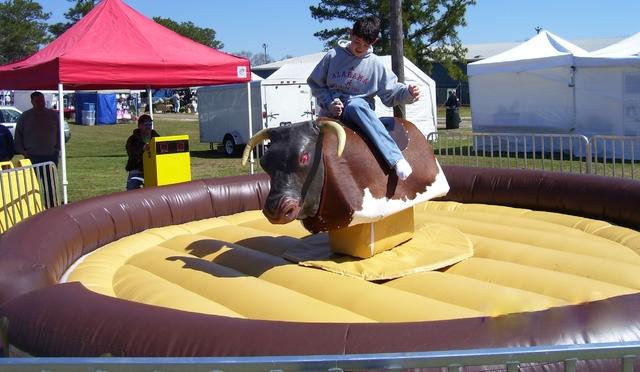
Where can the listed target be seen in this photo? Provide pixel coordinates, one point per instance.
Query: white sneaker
(403, 169)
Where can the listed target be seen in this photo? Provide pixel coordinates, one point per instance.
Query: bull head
(294, 163)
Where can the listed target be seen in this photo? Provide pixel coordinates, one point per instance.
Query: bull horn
(257, 138)
(340, 133)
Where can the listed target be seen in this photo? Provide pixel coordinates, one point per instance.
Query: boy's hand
(414, 90)
(335, 107)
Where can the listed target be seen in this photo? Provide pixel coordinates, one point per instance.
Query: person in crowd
(7, 149)
(453, 110)
(37, 138)
(452, 102)
(37, 134)
(137, 144)
(194, 104)
(175, 101)
(348, 78)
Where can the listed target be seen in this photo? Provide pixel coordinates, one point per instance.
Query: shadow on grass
(97, 156)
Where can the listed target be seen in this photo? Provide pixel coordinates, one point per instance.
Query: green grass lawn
(96, 156)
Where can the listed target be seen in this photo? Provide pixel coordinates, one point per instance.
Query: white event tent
(548, 85)
(626, 47)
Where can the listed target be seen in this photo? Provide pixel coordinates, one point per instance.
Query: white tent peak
(544, 50)
(543, 45)
(626, 47)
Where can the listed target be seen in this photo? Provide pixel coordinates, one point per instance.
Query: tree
(260, 59)
(73, 15)
(206, 36)
(24, 29)
(429, 27)
(243, 53)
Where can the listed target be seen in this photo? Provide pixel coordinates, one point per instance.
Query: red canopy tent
(114, 46)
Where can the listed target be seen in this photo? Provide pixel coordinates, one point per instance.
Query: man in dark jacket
(453, 113)
(136, 146)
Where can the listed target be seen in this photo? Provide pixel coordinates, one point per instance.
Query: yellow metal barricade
(20, 193)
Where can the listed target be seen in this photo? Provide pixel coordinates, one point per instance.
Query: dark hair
(36, 94)
(144, 118)
(367, 28)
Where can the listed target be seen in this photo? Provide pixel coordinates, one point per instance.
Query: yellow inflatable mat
(515, 260)
(432, 247)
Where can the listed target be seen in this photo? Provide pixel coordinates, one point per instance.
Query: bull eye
(304, 158)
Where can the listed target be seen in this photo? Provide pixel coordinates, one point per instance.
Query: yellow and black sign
(167, 161)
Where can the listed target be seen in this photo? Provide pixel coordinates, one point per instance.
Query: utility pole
(264, 45)
(397, 49)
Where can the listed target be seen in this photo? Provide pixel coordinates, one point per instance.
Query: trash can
(167, 161)
(88, 117)
(453, 118)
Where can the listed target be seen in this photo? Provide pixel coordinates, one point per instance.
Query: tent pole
(250, 123)
(150, 102)
(572, 84)
(63, 152)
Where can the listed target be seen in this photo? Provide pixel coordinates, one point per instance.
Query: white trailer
(287, 96)
(223, 113)
(224, 117)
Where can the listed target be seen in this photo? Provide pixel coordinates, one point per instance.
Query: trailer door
(287, 103)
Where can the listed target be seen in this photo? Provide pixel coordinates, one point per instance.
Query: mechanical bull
(330, 177)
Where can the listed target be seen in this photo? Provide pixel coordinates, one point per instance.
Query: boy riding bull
(346, 81)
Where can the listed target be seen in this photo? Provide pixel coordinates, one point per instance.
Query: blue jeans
(135, 180)
(358, 112)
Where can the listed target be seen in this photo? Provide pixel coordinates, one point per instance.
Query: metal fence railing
(617, 156)
(26, 190)
(570, 357)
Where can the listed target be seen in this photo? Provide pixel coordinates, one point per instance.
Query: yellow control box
(167, 161)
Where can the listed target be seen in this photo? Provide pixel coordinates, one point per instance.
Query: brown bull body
(325, 190)
(361, 167)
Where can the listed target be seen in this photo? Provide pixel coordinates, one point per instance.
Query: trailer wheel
(229, 145)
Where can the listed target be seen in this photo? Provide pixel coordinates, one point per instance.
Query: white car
(9, 117)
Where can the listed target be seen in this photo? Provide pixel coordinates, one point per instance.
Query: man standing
(175, 100)
(453, 111)
(37, 135)
(137, 144)
(37, 138)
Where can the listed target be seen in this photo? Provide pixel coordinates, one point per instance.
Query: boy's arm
(318, 83)
(392, 92)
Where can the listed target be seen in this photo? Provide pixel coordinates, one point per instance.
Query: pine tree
(24, 29)
(202, 35)
(73, 15)
(430, 28)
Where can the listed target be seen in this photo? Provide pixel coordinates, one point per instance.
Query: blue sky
(286, 26)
